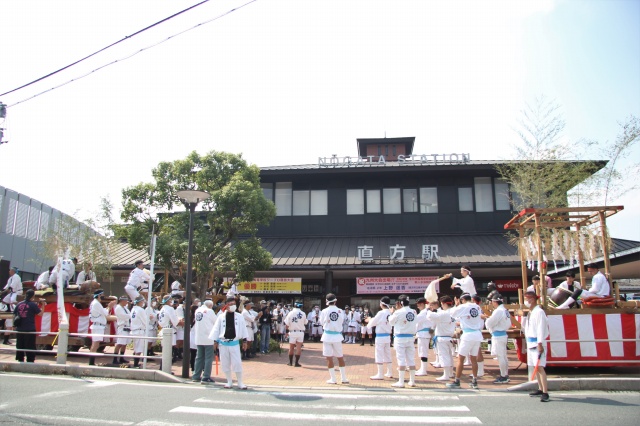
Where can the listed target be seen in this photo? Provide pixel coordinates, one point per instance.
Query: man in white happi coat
(353, 324)
(98, 317)
(404, 320)
(123, 316)
(138, 281)
(424, 334)
(498, 324)
(332, 320)
(570, 283)
(86, 275)
(249, 316)
(167, 319)
(152, 327)
(178, 305)
(383, 338)
(315, 327)
(445, 328)
(176, 289)
(205, 318)
(139, 322)
(230, 333)
(296, 322)
(536, 331)
(465, 283)
(599, 287)
(469, 315)
(43, 279)
(13, 289)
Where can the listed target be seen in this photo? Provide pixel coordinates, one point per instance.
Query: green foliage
(224, 231)
(545, 168)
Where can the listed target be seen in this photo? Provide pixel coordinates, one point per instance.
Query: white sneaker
(331, 382)
(421, 373)
(376, 377)
(443, 378)
(345, 381)
(398, 385)
(436, 364)
(411, 384)
(388, 376)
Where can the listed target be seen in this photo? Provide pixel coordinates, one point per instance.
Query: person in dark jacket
(27, 311)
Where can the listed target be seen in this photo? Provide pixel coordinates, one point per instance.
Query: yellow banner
(271, 285)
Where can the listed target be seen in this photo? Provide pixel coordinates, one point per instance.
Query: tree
(89, 240)
(618, 177)
(224, 231)
(545, 168)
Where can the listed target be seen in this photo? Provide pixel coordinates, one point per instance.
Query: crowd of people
(237, 331)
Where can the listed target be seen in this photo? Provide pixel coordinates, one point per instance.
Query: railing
(63, 340)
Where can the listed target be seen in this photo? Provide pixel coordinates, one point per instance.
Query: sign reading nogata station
(403, 160)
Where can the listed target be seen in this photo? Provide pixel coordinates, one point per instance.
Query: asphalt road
(53, 400)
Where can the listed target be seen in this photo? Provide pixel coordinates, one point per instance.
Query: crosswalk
(327, 407)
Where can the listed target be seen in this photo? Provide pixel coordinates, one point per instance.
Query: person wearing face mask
(152, 326)
(139, 321)
(230, 333)
(278, 325)
(469, 315)
(315, 327)
(424, 334)
(353, 325)
(498, 324)
(536, 331)
(205, 318)
(167, 319)
(249, 319)
(345, 324)
(383, 339)
(366, 331)
(98, 316)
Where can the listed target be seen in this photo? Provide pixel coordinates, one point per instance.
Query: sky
(287, 81)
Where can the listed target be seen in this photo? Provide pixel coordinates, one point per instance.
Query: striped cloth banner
(586, 327)
(48, 322)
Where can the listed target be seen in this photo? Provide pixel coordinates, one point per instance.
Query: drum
(558, 296)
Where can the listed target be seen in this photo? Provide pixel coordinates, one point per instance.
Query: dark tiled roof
(123, 255)
(343, 251)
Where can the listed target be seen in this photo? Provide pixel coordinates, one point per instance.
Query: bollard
(63, 343)
(167, 348)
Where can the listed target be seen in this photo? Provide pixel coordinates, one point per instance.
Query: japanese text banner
(393, 285)
(271, 285)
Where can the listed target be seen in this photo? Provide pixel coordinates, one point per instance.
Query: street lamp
(191, 198)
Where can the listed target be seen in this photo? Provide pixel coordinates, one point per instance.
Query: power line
(133, 54)
(105, 48)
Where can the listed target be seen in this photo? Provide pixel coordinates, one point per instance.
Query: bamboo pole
(523, 267)
(605, 255)
(541, 263)
(583, 283)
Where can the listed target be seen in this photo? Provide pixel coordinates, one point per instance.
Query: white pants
(139, 345)
(152, 331)
(532, 357)
(423, 346)
(249, 334)
(405, 353)
(383, 350)
(179, 333)
(444, 348)
(499, 349)
(230, 359)
(132, 292)
(332, 349)
(95, 329)
(123, 338)
(12, 298)
(296, 336)
(468, 348)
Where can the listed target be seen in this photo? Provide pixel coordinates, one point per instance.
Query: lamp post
(191, 198)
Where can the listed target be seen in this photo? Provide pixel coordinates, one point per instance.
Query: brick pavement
(272, 369)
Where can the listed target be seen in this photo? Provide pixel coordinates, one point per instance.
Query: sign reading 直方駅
(403, 160)
(392, 285)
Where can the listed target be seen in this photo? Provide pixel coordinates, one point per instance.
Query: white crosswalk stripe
(334, 407)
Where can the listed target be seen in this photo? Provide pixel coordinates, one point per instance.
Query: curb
(584, 383)
(89, 371)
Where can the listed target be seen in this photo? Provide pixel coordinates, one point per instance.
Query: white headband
(465, 269)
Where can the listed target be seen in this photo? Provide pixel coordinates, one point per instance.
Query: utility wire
(105, 48)
(133, 54)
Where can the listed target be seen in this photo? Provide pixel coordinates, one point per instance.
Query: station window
(465, 199)
(319, 203)
(501, 191)
(283, 198)
(301, 203)
(410, 200)
(428, 200)
(373, 201)
(267, 190)
(483, 194)
(355, 201)
(391, 200)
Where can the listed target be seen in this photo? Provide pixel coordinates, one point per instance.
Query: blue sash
(469, 330)
(383, 334)
(532, 339)
(231, 343)
(404, 335)
(499, 333)
(332, 332)
(424, 329)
